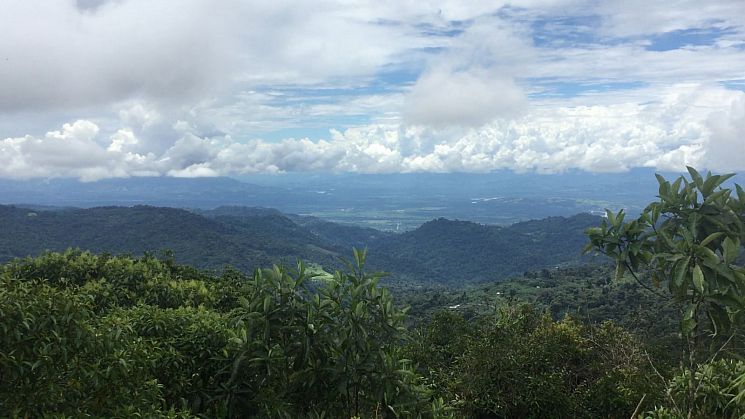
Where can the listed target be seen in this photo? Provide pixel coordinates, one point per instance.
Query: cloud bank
(197, 88)
(689, 125)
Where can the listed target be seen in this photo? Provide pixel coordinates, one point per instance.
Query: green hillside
(456, 252)
(205, 242)
(441, 250)
(660, 336)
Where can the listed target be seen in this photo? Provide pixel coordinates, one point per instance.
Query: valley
(440, 251)
(390, 202)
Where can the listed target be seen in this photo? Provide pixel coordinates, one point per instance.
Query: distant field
(501, 211)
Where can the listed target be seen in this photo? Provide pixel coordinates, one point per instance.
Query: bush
(302, 353)
(519, 363)
(54, 359)
(86, 335)
(714, 395)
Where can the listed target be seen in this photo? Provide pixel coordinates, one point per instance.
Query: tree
(302, 352)
(688, 240)
(112, 336)
(519, 363)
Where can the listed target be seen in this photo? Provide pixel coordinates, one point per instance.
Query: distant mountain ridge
(393, 202)
(441, 250)
(446, 250)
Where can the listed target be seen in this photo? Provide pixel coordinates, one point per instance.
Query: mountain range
(395, 202)
(439, 251)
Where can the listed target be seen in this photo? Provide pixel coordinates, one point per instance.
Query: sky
(95, 89)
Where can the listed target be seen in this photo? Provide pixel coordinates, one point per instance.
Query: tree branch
(628, 267)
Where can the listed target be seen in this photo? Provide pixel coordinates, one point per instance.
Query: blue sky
(96, 89)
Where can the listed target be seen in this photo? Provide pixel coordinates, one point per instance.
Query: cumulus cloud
(725, 149)
(191, 88)
(473, 82)
(687, 125)
(71, 151)
(88, 52)
(442, 98)
(59, 55)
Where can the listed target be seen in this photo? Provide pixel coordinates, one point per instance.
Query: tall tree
(690, 240)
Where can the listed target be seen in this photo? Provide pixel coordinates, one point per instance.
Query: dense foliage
(100, 335)
(517, 363)
(585, 292)
(97, 335)
(462, 252)
(117, 336)
(441, 251)
(689, 242)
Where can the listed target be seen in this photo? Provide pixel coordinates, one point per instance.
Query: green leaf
(710, 258)
(698, 279)
(688, 323)
(687, 236)
(697, 179)
(680, 271)
(594, 231)
(740, 193)
(710, 183)
(666, 237)
(619, 217)
(676, 185)
(711, 237)
(725, 177)
(687, 326)
(730, 299)
(716, 195)
(731, 249)
(611, 217)
(664, 189)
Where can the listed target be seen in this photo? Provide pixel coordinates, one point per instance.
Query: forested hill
(203, 241)
(446, 251)
(441, 250)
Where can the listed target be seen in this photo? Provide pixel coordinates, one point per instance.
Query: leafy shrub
(86, 335)
(54, 359)
(186, 346)
(714, 393)
(519, 363)
(302, 353)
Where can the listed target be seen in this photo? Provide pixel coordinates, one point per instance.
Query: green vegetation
(87, 335)
(246, 242)
(441, 251)
(517, 363)
(461, 252)
(116, 336)
(587, 293)
(689, 242)
(659, 336)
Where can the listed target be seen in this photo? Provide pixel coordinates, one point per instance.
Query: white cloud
(139, 116)
(443, 99)
(638, 17)
(686, 125)
(725, 149)
(473, 82)
(64, 151)
(60, 55)
(187, 87)
(54, 55)
(122, 139)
